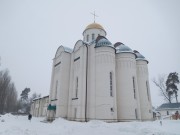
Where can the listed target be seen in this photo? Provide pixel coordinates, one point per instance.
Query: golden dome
(94, 26)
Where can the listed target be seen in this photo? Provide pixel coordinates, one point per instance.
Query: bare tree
(33, 96)
(8, 93)
(4, 82)
(11, 100)
(160, 83)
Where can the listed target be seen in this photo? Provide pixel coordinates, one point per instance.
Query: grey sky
(32, 30)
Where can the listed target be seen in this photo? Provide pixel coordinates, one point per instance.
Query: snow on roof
(102, 41)
(46, 96)
(40, 98)
(123, 49)
(67, 49)
(36, 98)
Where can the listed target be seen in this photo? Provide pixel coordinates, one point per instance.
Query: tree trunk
(169, 98)
(176, 98)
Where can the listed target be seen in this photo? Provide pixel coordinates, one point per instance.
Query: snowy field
(19, 125)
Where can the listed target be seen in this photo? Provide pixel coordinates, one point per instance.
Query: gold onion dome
(94, 26)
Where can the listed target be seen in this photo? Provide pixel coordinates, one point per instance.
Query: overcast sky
(32, 30)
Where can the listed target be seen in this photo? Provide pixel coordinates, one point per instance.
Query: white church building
(99, 80)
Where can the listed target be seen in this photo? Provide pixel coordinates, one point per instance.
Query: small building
(168, 109)
(39, 107)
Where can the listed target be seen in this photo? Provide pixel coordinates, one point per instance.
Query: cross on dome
(94, 14)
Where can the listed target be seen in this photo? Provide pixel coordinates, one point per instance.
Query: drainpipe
(86, 83)
(38, 108)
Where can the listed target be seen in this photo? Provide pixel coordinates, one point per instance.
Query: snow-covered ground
(19, 125)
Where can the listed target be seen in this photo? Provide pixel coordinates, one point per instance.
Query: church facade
(99, 80)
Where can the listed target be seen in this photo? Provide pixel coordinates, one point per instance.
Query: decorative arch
(62, 49)
(78, 44)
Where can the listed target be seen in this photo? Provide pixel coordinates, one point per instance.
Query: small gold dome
(94, 26)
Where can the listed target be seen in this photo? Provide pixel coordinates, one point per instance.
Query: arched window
(134, 87)
(147, 87)
(136, 115)
(111, 87)
(76, 87)
(87, 38)
(56, 89)
(75, 113)
(93, 36)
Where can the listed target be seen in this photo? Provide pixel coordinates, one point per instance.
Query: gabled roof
(169, 106)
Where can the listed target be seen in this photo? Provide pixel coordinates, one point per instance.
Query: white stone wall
(127, 96)
(32, 111)
(59, 90)
(44, 106)
(63, 85)
(105, 99)
(76, 106)
(144, 90)
(39, 107)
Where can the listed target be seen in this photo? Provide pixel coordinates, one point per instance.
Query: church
(99, 80)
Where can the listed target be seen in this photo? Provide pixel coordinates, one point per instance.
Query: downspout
(86, 83)
(38, 108)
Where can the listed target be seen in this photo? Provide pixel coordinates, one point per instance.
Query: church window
(112, 110)
(56, 89)
(136, 113)
(147, 87)
(134, 87)
(93, 36)
(76, 87)
(75, 113)
(111, 87)
(57, 64)
(76, 59)
(87, 38)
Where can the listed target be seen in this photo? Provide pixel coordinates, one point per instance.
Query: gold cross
(94, 16)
